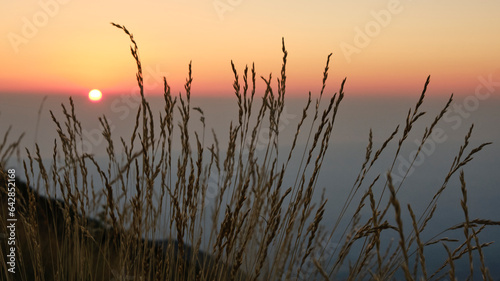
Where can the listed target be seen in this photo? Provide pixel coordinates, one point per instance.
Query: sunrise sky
(383, 47)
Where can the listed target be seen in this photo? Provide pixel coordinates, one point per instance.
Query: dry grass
(260, 229)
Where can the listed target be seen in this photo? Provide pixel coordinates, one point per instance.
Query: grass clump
(108, 227)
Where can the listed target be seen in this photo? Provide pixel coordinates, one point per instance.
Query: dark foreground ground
(54, 242)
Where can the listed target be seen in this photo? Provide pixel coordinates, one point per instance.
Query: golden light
(95, 95)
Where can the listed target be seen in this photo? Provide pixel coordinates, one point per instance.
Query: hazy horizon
(356, 116)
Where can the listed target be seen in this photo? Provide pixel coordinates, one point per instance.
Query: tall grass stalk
(110, 225)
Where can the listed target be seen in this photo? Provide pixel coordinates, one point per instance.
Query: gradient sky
(383, 47)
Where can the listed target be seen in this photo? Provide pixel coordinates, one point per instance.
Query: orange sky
(68, 46)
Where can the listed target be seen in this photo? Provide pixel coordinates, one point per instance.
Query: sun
(95, 95)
